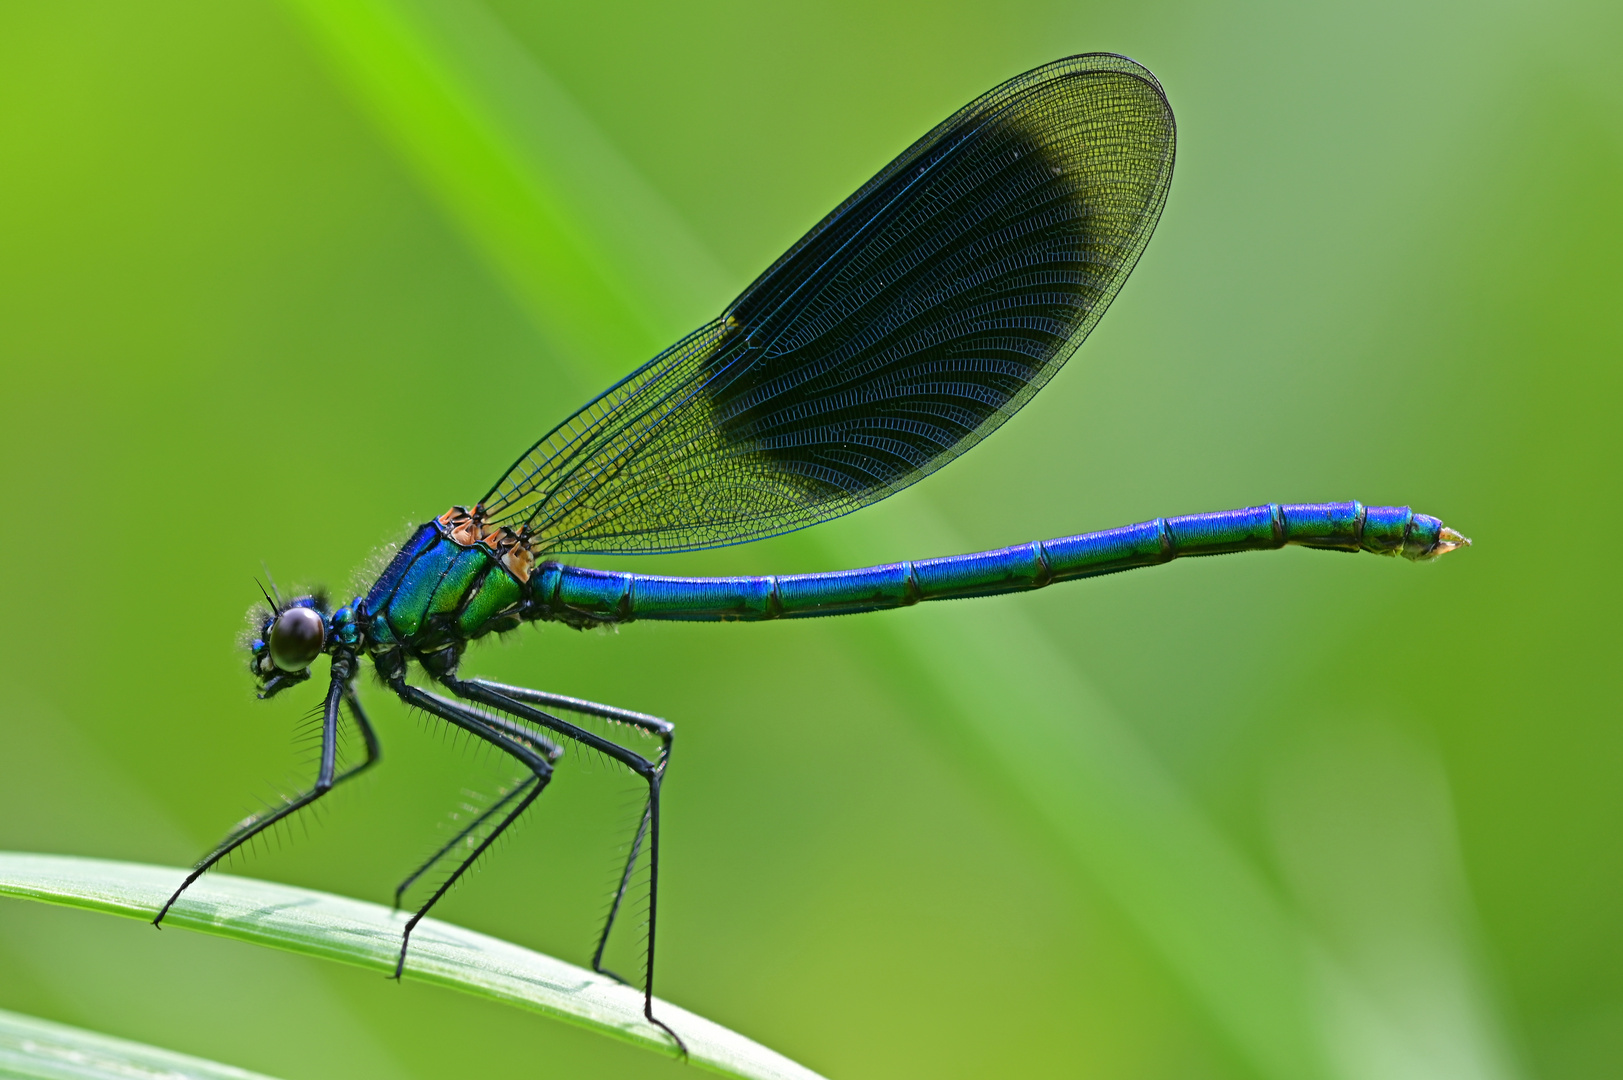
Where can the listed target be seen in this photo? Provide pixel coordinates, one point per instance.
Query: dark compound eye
(296, 639)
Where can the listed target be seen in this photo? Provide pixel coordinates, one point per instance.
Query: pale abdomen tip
(1448, 540)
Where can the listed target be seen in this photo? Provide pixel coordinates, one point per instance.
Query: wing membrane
(900, 331)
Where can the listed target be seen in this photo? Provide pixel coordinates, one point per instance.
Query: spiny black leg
(476, 724)
(619, 896)
(476, 824)
(653, 900)
(445, 886)
(511, 700)
(338, 691)
(664, 729)
(652, 724)
(374, 752)
(551, 750)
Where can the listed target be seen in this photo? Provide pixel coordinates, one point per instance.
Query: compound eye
(296, 639)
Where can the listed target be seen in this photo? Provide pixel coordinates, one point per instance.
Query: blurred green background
(278, 280)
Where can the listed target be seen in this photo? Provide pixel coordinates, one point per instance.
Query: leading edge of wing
(906, 325)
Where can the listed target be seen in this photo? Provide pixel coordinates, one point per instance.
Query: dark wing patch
(900, 331)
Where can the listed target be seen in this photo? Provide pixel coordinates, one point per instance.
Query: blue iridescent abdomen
(582, 596)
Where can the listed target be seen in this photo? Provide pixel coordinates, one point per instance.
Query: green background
(279, 280)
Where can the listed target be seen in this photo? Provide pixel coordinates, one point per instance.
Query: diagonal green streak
(412, 67)
(598, 259)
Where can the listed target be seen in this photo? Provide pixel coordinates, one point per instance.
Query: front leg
(339, 693)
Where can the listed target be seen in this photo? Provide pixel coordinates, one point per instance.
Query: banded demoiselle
(905, 327)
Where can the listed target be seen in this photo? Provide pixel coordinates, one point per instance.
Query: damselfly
(909, 324)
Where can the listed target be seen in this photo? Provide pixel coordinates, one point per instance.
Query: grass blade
(40, 1050)
(367, 935)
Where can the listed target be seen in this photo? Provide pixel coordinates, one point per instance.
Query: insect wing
(900, 331)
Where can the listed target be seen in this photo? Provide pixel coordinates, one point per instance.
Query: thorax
(453, 581)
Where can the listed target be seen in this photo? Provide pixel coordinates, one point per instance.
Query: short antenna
(275, 608)
(274, 589)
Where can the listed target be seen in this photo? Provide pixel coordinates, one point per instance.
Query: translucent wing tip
(1448, 540)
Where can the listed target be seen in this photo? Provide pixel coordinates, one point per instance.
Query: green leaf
(368, 936)
(41, 1050)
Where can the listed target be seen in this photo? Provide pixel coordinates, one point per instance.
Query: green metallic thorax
(438, 593)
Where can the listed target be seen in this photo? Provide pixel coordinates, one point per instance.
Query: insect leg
(651, 724)
(512, 700)
(374, 752)
(339, 692)
(619, 897)
(519, 744)
(664, 729)
(549, 749)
